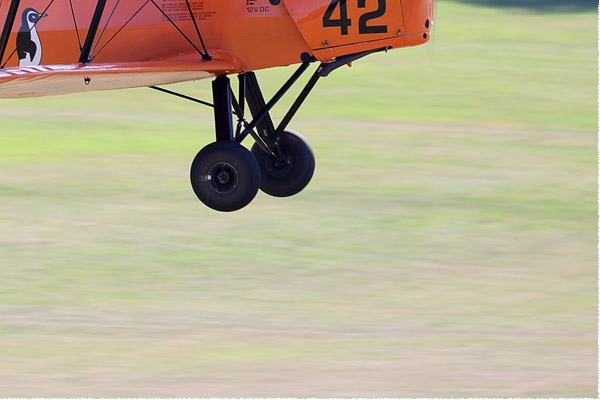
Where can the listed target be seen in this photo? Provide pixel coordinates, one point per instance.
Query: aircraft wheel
(289, 173)
(225, 176)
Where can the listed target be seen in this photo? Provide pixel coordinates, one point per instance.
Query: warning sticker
(178, 10)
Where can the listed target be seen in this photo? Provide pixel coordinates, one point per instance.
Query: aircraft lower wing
(48, 80)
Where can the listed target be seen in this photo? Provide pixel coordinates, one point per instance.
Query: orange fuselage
(254, 34)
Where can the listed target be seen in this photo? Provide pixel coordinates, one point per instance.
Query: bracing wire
(106, 26)
(189, 7)
(204, 54)
(120, 29)
(74, 23)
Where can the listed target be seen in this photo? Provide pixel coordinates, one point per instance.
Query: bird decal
(29, 47)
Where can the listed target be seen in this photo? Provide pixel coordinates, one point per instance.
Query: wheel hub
(223, 177)
(279, 166)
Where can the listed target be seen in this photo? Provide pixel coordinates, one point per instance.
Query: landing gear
(225, 176)
(290, 169)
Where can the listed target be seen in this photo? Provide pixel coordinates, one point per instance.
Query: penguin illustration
(29, 47)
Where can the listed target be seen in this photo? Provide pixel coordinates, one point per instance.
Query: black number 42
(343, 22)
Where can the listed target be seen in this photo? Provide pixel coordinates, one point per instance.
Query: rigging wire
(183, 96)
(204, 55)
(74, 23)
(119, 30)
(106, 26)
(189, 7)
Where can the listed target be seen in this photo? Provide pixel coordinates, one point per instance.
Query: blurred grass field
(446, 247)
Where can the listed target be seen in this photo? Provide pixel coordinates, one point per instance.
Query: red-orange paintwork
(136, 45)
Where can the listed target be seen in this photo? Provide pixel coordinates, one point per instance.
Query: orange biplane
(52, 47)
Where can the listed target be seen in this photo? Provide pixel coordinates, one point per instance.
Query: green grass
(447, 245)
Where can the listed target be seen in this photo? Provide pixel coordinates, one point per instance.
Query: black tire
(225, 176)
(291, 174)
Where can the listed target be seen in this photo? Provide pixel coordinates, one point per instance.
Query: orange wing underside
(48, 80)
